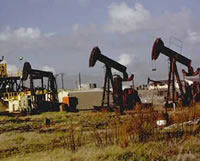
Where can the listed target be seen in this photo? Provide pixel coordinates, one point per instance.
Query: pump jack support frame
(106, 89)
(173, 73)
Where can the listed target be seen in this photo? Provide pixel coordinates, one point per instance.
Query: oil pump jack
(19, 96)
(41, 96)
(120, 97)
(174, 57)
(153, 81)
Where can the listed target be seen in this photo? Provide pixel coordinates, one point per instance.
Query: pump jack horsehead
(119, 96)
(174, 57)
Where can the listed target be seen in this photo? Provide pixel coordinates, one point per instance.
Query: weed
(99, 136)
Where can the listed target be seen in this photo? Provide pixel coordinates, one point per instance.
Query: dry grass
(185, 114)
(98, 136)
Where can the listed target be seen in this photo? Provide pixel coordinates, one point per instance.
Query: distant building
(192, 80)
(61, 94)
(86, 98)
(87, 86)
(161, 86)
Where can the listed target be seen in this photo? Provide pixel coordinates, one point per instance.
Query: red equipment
(116, 81)
(174, 57)
(194, 88)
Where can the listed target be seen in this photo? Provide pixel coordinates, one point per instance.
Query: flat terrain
(85, 136)
(88, 99)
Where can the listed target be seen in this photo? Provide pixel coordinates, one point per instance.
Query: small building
(190, 81)
(84, 86)
(161, 85)
(86, 98)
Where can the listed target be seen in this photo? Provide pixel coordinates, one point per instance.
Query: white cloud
(193, 36)
(134, 27)
(125, 59)
(125, 19)
(32, 33)
(85, 30)
(20, 33)
(23, 40)
(75, 27)
(50, 34)
(48, 69)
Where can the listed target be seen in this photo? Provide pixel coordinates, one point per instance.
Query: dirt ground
(88, 99)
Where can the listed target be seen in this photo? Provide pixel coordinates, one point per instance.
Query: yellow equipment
(3, 70)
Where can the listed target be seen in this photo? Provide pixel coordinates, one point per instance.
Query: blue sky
(59, 34)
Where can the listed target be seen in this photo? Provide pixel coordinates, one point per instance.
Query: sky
(58, 35)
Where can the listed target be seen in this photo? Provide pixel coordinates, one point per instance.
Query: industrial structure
(124, 99)
(44, 98)
(193, 89)
(34, 97)
(35, 90)
(174, 57)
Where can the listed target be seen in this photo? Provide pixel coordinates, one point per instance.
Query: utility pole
(62, 79)
(79, 76)
(62, 74)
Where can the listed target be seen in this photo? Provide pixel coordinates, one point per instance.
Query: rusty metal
(158, 47)
(115, 81)
(96, 55)
(130, 98)
(197, 72)
(153, 81)
(106, 89)
(115, 84)
(117, 91)
(131, 78)
(195, 87)
(179, 81)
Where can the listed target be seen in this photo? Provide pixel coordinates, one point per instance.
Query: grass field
(86, 136)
